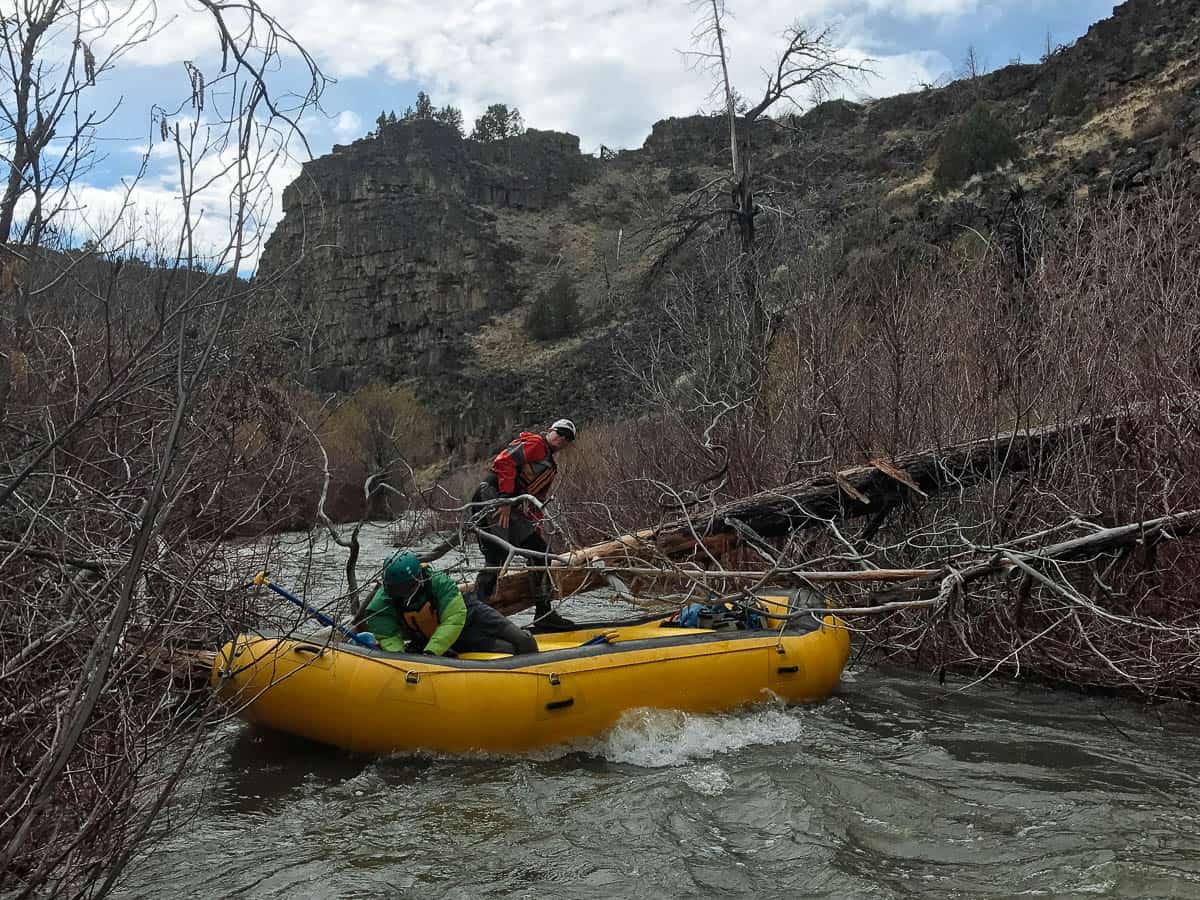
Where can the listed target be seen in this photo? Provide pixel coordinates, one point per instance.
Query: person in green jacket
(421, 610)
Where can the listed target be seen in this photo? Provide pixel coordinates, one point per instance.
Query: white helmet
(565, 427)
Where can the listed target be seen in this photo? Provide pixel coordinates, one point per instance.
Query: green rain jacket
(385, 621)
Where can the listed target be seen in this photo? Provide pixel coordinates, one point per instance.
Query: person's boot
(546, 618)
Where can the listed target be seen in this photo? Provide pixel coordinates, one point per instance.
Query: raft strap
(561, 704)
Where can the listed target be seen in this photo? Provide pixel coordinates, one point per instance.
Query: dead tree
(48, 92)
(49, 65)
(711, 529)
(137, 436)
(807, 70)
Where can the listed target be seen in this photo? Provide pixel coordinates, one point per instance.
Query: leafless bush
(379, 430)
(1100, 314)
(137, 428)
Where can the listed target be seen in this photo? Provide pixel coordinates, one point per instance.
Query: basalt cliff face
(400, 255)
(412, 254)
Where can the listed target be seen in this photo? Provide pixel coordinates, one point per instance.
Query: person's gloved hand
(503, 512)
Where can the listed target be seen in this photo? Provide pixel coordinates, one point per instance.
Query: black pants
(489, 631)
(520, 533)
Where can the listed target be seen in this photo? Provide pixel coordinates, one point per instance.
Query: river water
(894, 787)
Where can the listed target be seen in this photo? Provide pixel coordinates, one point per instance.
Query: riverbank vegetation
(138, 426)
(1088, 316)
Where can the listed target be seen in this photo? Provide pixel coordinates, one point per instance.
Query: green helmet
(402, 569)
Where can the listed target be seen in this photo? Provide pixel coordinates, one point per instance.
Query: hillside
(420, 252)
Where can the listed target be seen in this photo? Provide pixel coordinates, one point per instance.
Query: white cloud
(149, 213)
(605, 70)
(348, 125)
(915, 9)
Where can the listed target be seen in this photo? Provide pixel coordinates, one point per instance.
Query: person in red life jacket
(526, 466)
(421, 610)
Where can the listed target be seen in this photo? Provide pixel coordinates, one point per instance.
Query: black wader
(522, 533)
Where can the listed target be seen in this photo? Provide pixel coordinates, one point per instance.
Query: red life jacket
(536, 478)
(528, 476)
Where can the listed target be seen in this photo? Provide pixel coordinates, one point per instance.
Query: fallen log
(844, 494)
(863, 490)
(812, 576)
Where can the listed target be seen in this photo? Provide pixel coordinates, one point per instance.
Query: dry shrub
(612, 479)
(1100, 313)
(118, 480)
(378, 430)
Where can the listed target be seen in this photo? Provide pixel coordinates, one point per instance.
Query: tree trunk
(811, 503)
(861, 490)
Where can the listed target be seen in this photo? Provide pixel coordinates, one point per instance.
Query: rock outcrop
(416, 251)
(399, 255)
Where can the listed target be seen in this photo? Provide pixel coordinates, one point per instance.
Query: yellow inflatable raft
(374, 701)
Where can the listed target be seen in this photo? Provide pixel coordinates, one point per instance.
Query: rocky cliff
(400, 256)
(400, 261)
(417, 252)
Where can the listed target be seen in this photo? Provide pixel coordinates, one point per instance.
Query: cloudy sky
(604, 70)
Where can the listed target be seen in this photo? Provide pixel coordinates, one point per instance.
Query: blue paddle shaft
(317, 614)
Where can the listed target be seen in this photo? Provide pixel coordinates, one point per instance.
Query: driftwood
(1004, 561)
(805, 575)
(864, 490)
(813, 502)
